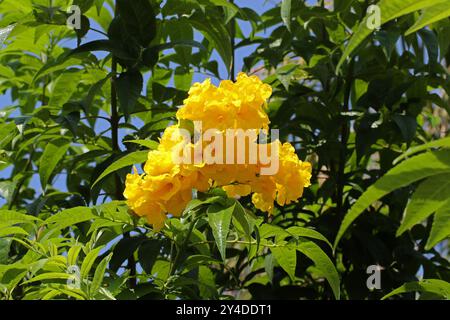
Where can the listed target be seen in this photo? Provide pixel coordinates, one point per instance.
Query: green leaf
(230, 8)
(63, 62)
(7, 190)
(123, 250)
(429, 197)
(268, 266)
(50, 276)
(125, 161)
(440, 143)
(430, 15)
(407, 125)
(441, 226)
(216, 34)
(12, 217)
(84, 5)
(93, 90)
(65, 86)
(70, 217)
(53, 154)
(152, 145)
(147, 254)
(179, 43)
(243, 219)
(436, 286)
(129, 87)
(323, 263)
(7, 133)
(390, 9)
(99, 275)
(4, 33)
(307, 233)
(89, 261)
(431, 43)
(10, 231)
(139, 19)
(219, 219)
(286, 13)
(407, 172)
(286, 257)
(72, 255)
(5, 245)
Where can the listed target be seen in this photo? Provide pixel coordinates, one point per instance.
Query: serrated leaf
(10, 231)
(127, 160)
(219, 219)
(99, 275)
(123, 250)
(286, 13)
(429, 196)
(440, 143)
(49, 276)
(89, 261)
(7, 133)
(129, 86)
(12, 217)
(53, 154)
(323, 263)
(216, 34)
(286, 257)
(72, 255)
(441, 226)
(407, 172)
(65, 85)
(70, 217)
(307, 233)
(268, 266)
(436, 286)
(139, 19)
(147, 254)
(4, 33)
(390, 9)
(152, 145)
(430, 15)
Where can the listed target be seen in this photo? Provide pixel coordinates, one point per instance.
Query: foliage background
(80, 107)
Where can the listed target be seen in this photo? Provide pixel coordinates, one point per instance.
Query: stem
(182, 248)
(345, 131)
(115, 119)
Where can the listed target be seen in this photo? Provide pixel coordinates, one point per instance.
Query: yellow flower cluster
(166, 186)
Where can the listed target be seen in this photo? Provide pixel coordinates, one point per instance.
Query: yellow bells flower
(237, 104)
(160, 162)
(237, 190)
(178, 202)
(264, 189)
(293, 175)
(139, 200)
(167, 183)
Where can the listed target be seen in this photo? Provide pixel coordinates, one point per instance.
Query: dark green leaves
(216, 33)
(139, 19)
(430, 196)
(129, 87)
(408, 171)
(147, 254)
(123, 250)
(127, 160)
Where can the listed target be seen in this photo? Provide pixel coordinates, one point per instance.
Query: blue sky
(259, 6)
